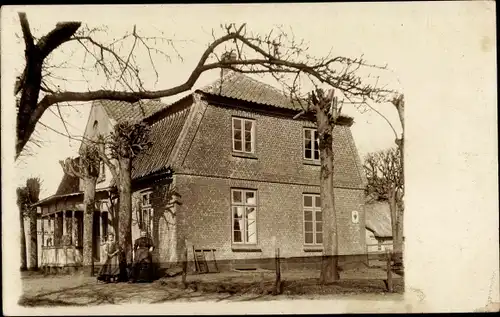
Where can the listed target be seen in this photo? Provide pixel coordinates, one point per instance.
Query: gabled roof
(69, 184)
(378, 219)
(239, 86)
(163, 135)
(167, 121)
(123, 111)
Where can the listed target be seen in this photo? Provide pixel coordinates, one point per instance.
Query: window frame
(149, 209)
(242, 140)
(102, 167)
(314, 209)
(244, 216)
(314, 145)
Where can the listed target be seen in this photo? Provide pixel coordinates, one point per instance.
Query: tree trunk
(398, 238)
(125, 209)
(88, 222)
(24, 265)
(329, 265)
(393, 212)
(33, 259)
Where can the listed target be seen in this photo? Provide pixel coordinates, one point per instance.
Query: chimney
(228, 56)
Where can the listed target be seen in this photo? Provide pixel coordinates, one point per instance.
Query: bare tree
(327, 114)
(33, 185)
(126, 142)
(277, 53)
(384, 172)
(86, 167)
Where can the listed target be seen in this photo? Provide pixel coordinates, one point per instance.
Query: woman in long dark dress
(142, 265)
(111, 269)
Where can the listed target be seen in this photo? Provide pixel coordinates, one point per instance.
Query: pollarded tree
(33, 185)
(126, 141)
(22, 204)
(86, 168)
(327, 115)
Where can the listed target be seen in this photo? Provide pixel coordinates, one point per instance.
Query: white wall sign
(355, 216)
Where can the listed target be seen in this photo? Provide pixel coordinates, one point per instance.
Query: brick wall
(164, 223)
(208, 170)
(205, 218)
(206, 214)
(279, 155)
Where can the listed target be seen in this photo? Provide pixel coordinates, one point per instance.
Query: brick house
(246, 177)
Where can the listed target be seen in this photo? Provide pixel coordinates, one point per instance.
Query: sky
(338, 31)
(443, 57)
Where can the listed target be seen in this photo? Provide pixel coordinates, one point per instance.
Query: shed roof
(378, 219)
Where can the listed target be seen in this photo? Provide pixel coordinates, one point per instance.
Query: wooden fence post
(277, 284)
(184, 265)
(389, 272)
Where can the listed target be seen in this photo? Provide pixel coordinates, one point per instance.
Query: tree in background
(86, 167)
(384, 172)
(22, 203)
(33, 185)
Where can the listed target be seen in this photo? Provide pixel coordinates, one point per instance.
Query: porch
(62, 239)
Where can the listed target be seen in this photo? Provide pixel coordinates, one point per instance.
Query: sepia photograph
(246, 154)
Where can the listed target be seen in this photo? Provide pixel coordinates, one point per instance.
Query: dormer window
(243, 135)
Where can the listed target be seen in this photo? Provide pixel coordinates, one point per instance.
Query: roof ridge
(167, 106)
(263, 83)
(229, 73)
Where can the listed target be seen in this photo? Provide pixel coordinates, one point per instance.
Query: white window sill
(244, 155)
(246, 248)
(313, 248)
(311, 162)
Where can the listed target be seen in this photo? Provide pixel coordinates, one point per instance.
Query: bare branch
(276, 53)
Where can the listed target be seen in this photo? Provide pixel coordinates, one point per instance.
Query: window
(146, 214)
(313, 219)
(102, 166)
(244, 216)
(243, 135)
(311, 145)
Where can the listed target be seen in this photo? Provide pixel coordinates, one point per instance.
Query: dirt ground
(79, 290)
